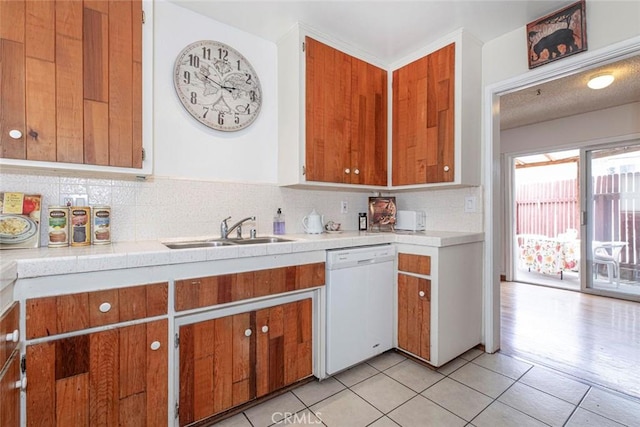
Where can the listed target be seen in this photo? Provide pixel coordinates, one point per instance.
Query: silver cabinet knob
(13, 336)
(21, 384)
(356, 171)
(446, 168)
(155, 345)
(347, 171)
(265, 329)
(105, 307)
(248, 333)
(421, 293)
(15, 134)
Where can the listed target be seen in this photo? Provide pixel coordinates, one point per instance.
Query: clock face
(217, 85)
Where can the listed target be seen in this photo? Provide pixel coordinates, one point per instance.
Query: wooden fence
(551, 208)
(616, 210)
(547, 208)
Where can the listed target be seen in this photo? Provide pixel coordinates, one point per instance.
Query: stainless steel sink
(257, 240)
(223, 242)
(197, 244)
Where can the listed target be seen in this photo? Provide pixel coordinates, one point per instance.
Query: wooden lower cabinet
(116, 377)
(231, 360)
(283, 345)
(10, 393)
(9, 367)
(414, 315)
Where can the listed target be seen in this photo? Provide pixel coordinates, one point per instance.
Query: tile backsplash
(160, 207)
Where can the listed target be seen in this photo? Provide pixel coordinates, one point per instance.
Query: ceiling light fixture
(600, 81)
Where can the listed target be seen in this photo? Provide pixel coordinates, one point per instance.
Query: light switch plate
(470, 204)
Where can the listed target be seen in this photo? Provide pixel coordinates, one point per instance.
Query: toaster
(411, 220)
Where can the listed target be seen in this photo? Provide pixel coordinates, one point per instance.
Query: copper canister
(101, 224)
(58, 220)
(80, 225)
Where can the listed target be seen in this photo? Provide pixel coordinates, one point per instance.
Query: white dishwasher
(359, 304)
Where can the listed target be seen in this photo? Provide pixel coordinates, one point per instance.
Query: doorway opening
(546, 212)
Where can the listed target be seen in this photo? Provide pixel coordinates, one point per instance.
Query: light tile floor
(475, 389)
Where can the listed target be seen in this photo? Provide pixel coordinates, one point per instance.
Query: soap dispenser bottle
(278, 223)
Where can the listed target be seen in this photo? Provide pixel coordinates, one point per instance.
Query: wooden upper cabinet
(423, 119)
(72, 82)
(345, 118)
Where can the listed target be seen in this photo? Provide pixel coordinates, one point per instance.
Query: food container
(101, 224)
(58, 220)
(80, 225)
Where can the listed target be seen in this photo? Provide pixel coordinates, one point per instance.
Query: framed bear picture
(557, 35)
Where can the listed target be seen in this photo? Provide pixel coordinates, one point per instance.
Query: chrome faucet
(225, 230)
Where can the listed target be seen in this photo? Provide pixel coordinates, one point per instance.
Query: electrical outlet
(344, 208)
(74, 199)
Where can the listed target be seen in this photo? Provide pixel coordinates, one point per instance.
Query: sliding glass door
(612, 227)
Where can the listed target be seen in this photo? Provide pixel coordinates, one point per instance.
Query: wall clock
(217, 85)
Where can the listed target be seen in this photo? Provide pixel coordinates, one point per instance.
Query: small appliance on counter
(411, 220)
(312, 223)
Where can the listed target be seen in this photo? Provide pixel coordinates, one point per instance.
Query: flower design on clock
(217, 85)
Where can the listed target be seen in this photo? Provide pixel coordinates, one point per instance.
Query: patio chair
(607, 254)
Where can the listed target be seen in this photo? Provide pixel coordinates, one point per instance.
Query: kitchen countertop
(28, 263)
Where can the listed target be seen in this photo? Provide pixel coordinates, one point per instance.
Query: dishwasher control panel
(349, 257)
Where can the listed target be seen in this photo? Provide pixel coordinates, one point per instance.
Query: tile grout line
(448, 375)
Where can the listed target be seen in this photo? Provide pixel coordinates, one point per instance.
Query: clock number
(206, 53)
(223, 54)
(220, 118)
(187, 77)
(194, 61)
(194, 98)
(238, 65)
(236, 119)
(252, 96)
(248, 78)
(206, 111)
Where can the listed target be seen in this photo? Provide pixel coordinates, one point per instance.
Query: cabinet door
(107, 378)
(9, 322)
(345, 118)
(283, 345)
(215, 366)
(10, 394)
(327, 113)
(414, 315)
(47, 316)
(75, 81)
(368, 148)
(423, 119)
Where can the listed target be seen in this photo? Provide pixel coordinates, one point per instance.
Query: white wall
(184, 147)
(573, 131)
(608, 22)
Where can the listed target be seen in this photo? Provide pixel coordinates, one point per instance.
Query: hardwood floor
(590, 337)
